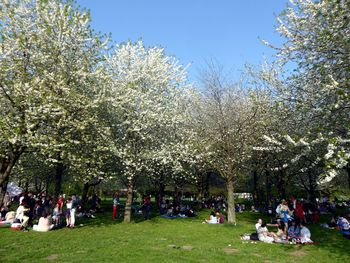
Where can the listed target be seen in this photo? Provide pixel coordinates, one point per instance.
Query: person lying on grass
(212, 219)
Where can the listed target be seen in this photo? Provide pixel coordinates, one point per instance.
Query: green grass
(164, 240)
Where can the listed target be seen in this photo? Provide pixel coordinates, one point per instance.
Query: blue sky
(193, 30)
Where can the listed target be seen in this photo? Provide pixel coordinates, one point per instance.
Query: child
(56, 215)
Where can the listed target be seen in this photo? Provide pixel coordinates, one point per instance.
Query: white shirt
(257, 225)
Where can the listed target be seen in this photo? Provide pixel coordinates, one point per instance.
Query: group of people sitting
(296, 233)
(22, 219)
(341, 223)
(36, 209)
(173, 210)
(214, 202)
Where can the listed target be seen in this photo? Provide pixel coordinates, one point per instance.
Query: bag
(245, 237)
(254, 236)
(16, 226)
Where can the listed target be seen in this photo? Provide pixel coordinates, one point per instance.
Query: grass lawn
(164, 240)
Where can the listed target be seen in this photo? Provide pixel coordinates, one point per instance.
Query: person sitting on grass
(190, 213)
(343, 225)
(212, 219)
(258, 224)
(281, 230)
(305, 234)
(294, 231)
(22, 215)
(9, 217)
(220, 217)
(264, 235)
(44, 224)
(3, 211)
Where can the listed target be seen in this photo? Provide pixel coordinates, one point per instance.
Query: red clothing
(315, 217)
(299, 212)
(114, 211)
(60, 202)
(147, 200)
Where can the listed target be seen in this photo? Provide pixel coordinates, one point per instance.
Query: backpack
(254, 236)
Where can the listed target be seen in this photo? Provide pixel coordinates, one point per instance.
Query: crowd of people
(290, 217)
(172, 209)
(35, 211)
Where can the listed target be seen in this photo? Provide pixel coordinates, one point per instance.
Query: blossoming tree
(48, 70)
(146, 110)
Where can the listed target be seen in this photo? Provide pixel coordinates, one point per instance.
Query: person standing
(115, 205)
(60, 202)
(146, 207)
(73, 210)
(68, 211)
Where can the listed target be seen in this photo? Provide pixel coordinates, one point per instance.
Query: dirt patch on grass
(257, 255)
(231, 250)
(298, 253)
(187, 247)
(172, 246)
(52, 257)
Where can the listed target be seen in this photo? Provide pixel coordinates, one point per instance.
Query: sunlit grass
(164, 240)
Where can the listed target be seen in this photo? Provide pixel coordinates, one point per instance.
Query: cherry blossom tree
(228, 119)
(315, 94)
(146, 110)
(48, 80)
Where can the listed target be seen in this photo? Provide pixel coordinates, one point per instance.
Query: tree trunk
(281, 185)
(161, 190)
(128, 204)
(268, 187)
(3, 190)
(348, 171)
(255, 187)
(312, 192)
(231, 213)
(176, 194)
(58, 181)
(200, 185)
(47, 184)
(86, 188)
(84, 195)
(206, 183)
(6, 166)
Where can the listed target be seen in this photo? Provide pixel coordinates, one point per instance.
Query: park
(125, 134)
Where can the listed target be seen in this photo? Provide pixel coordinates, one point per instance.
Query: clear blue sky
(193, 30)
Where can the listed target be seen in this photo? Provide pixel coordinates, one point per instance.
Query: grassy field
(164, 240)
